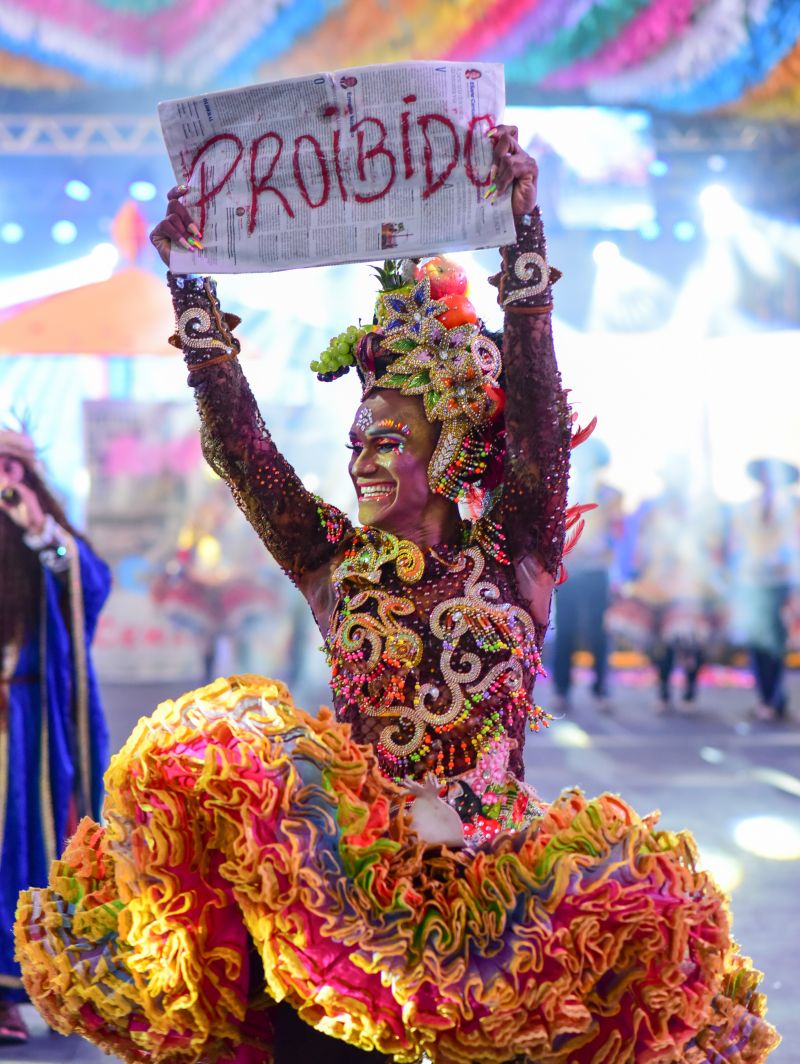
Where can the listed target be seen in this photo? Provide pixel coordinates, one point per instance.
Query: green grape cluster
(339, 354)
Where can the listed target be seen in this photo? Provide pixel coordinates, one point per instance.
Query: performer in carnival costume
(404, 891)
(53, 740)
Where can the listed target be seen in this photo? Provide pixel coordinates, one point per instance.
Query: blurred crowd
(682, 579)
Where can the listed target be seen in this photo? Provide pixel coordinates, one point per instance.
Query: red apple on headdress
(447, 278)
(459, 311)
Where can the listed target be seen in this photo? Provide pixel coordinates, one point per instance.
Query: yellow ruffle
(590, 937)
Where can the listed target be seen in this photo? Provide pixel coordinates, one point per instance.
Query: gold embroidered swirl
(386, 637)
(526, 268)
(410, 563)
(375, 550)
(192, 324)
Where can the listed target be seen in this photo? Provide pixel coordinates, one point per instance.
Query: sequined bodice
(433, 655)
(433, 658)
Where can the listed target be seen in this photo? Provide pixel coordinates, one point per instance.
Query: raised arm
(537, 414)
(533, 508)
(300, 531)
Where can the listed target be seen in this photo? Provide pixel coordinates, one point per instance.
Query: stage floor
(706, 767)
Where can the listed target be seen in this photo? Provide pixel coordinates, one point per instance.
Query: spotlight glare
(209, 551)
(105, 256)
(650, 230)
(142, 190)
(569, 734)
(712, 755)
(606, 253)
(64, 232)
(771, 837)
(719, 209)
(658, 168)
(684, 230)
(11, 233)
(78, 190)
(717, 163)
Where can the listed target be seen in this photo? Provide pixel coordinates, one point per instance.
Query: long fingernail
(489, 191)
(493, 199)
(193, 229)
(182, 190)
(491, 132)
(185, 243)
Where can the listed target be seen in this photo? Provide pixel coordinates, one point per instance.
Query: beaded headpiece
(455, 371)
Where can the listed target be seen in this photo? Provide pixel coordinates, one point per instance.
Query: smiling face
(392, 442)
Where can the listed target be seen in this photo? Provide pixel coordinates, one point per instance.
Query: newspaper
(362, 164)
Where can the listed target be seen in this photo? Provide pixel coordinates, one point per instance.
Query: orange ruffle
(234, 817)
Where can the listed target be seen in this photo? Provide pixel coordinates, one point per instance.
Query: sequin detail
(529, 266)
(434, 687)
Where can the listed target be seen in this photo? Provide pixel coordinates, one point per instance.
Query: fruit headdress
(426, 341)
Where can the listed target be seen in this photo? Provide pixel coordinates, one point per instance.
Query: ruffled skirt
(254, 854)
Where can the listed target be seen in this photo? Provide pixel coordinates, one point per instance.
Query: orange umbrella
(129, 314)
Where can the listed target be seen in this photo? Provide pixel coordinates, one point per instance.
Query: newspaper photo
(363, 164)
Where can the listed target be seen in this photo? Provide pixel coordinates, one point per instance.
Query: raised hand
(176, 228)
(20, 503)
(512, 166)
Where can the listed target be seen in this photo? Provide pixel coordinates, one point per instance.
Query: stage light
(209, 551)
(606, 253)
(650, 230)
(142, 190)
(638, 121)
(77, 190)
(719, 209)
(771, 837)
(104, 256)
(11, 233)
(658, 168)
(717, 163)
(684, 230)
(64, 232)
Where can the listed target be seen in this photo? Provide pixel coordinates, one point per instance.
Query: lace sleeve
(532, 510)
(299, 530)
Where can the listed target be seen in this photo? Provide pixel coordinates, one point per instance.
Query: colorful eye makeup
(389, 425)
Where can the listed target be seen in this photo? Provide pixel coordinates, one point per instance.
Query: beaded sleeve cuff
(525, 280)
(203, 332)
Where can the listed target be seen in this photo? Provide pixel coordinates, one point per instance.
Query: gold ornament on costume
(375, 549)
(529, 267)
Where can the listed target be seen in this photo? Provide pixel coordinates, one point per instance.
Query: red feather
(573, 537)
(574, 512)
(580, 435)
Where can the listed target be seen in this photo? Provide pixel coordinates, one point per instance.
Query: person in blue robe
(53, 737)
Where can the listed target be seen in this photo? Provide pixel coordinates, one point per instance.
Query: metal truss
(720, 133)
(80, 134)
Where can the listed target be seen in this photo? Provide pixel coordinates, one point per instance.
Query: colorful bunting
(689, 56)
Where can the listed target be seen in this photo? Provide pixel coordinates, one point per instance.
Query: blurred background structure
(668, 134)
